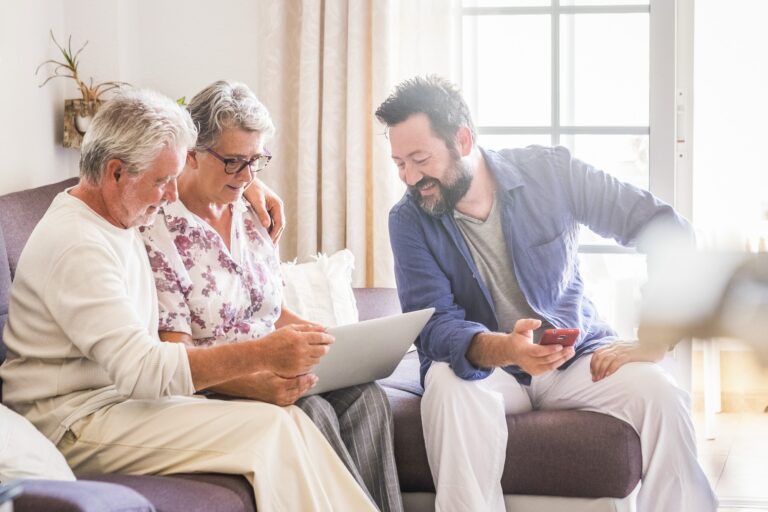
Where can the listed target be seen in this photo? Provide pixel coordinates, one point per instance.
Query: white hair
(223, 105)
(134, 127)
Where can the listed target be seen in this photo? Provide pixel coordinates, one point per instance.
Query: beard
(450, 193)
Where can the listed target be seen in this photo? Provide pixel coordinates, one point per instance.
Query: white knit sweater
(82, 323)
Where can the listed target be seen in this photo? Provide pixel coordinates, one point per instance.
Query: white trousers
(466, 432)
(278, 449)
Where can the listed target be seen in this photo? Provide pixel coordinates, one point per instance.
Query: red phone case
(564, 337)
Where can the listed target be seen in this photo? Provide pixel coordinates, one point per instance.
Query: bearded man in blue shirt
(490, 239)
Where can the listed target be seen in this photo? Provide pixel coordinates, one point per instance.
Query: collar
(508, 177)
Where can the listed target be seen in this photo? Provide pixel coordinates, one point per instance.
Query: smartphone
(564, 337)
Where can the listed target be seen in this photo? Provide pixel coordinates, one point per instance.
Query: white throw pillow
(26, 453)
(321, 290)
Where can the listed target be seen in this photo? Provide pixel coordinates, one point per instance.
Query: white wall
(731, 108)
(30, 117)
(176, 47)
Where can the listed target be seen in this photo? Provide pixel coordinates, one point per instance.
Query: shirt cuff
(461, 366)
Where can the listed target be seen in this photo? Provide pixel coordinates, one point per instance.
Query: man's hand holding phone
(537, 359)
(495, 349)
(564, 337)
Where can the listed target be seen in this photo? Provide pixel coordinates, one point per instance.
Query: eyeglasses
(235, 165)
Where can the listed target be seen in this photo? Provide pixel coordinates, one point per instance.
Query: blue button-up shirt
(545, 196)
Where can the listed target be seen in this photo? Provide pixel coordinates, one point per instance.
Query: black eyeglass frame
(230, 163)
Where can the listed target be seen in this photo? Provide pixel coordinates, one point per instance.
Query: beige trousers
(278, 449)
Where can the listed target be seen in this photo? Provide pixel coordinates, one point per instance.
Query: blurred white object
(706, 294)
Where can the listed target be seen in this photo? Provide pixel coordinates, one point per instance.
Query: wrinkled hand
(269, 208)
(607, 360)
(274, 389)
(294, 349)
(535, 359)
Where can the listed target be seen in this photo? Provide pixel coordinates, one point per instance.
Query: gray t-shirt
(485, 240)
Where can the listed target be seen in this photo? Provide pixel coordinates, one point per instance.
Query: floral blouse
(214, 294)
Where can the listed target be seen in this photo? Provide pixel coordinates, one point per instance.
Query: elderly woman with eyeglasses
(218, 281)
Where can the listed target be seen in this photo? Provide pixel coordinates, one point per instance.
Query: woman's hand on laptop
(274, 389)
(294, 349)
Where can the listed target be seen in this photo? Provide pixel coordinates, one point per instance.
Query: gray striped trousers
(357, 421)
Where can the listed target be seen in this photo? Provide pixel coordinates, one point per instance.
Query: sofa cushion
(26, 453)
(571, 453)
(402, 378)
(187, 493)
(41, 495)
(549, 453)
(321, 290)
(410, 452)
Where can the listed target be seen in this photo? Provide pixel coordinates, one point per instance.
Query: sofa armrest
(80, 496)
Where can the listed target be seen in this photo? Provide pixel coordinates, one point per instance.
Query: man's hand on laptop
(294, 349)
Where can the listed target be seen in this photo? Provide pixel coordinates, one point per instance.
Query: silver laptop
(368, 350)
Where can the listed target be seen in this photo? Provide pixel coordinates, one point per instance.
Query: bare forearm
(212, 366)
(488, 350)
(222, 375)
(290, 351)
(241, 387)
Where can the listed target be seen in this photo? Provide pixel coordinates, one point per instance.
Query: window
(596, 76)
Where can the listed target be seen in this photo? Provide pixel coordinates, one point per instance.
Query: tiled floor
(736, 461)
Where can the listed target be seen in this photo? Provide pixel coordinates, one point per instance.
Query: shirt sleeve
(421, 283)
(613, 208)
(172, 279)
(86, 296)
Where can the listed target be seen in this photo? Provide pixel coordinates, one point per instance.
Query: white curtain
(324, 67)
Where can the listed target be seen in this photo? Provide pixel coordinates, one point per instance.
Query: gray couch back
(19, 214)
(5, 285)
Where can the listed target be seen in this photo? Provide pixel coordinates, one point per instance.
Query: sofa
(556, 460)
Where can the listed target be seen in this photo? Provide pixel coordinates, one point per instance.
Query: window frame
(662, 93)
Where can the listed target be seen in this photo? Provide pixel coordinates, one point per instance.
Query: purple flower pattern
(215, 294)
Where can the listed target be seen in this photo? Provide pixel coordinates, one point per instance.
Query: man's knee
(444, 387)
(651, 384)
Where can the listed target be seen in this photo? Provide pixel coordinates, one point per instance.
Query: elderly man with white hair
(85, 363)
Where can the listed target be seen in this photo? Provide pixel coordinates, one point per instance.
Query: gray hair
(224, 105)
(134, 126)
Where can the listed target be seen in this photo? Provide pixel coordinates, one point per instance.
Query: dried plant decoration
(68, 68)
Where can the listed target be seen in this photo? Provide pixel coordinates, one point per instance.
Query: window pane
(604, 2)
(623, 156)
(612, 282)
(507, 71)
(506, 3)
(497, 142)
(604, 69)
